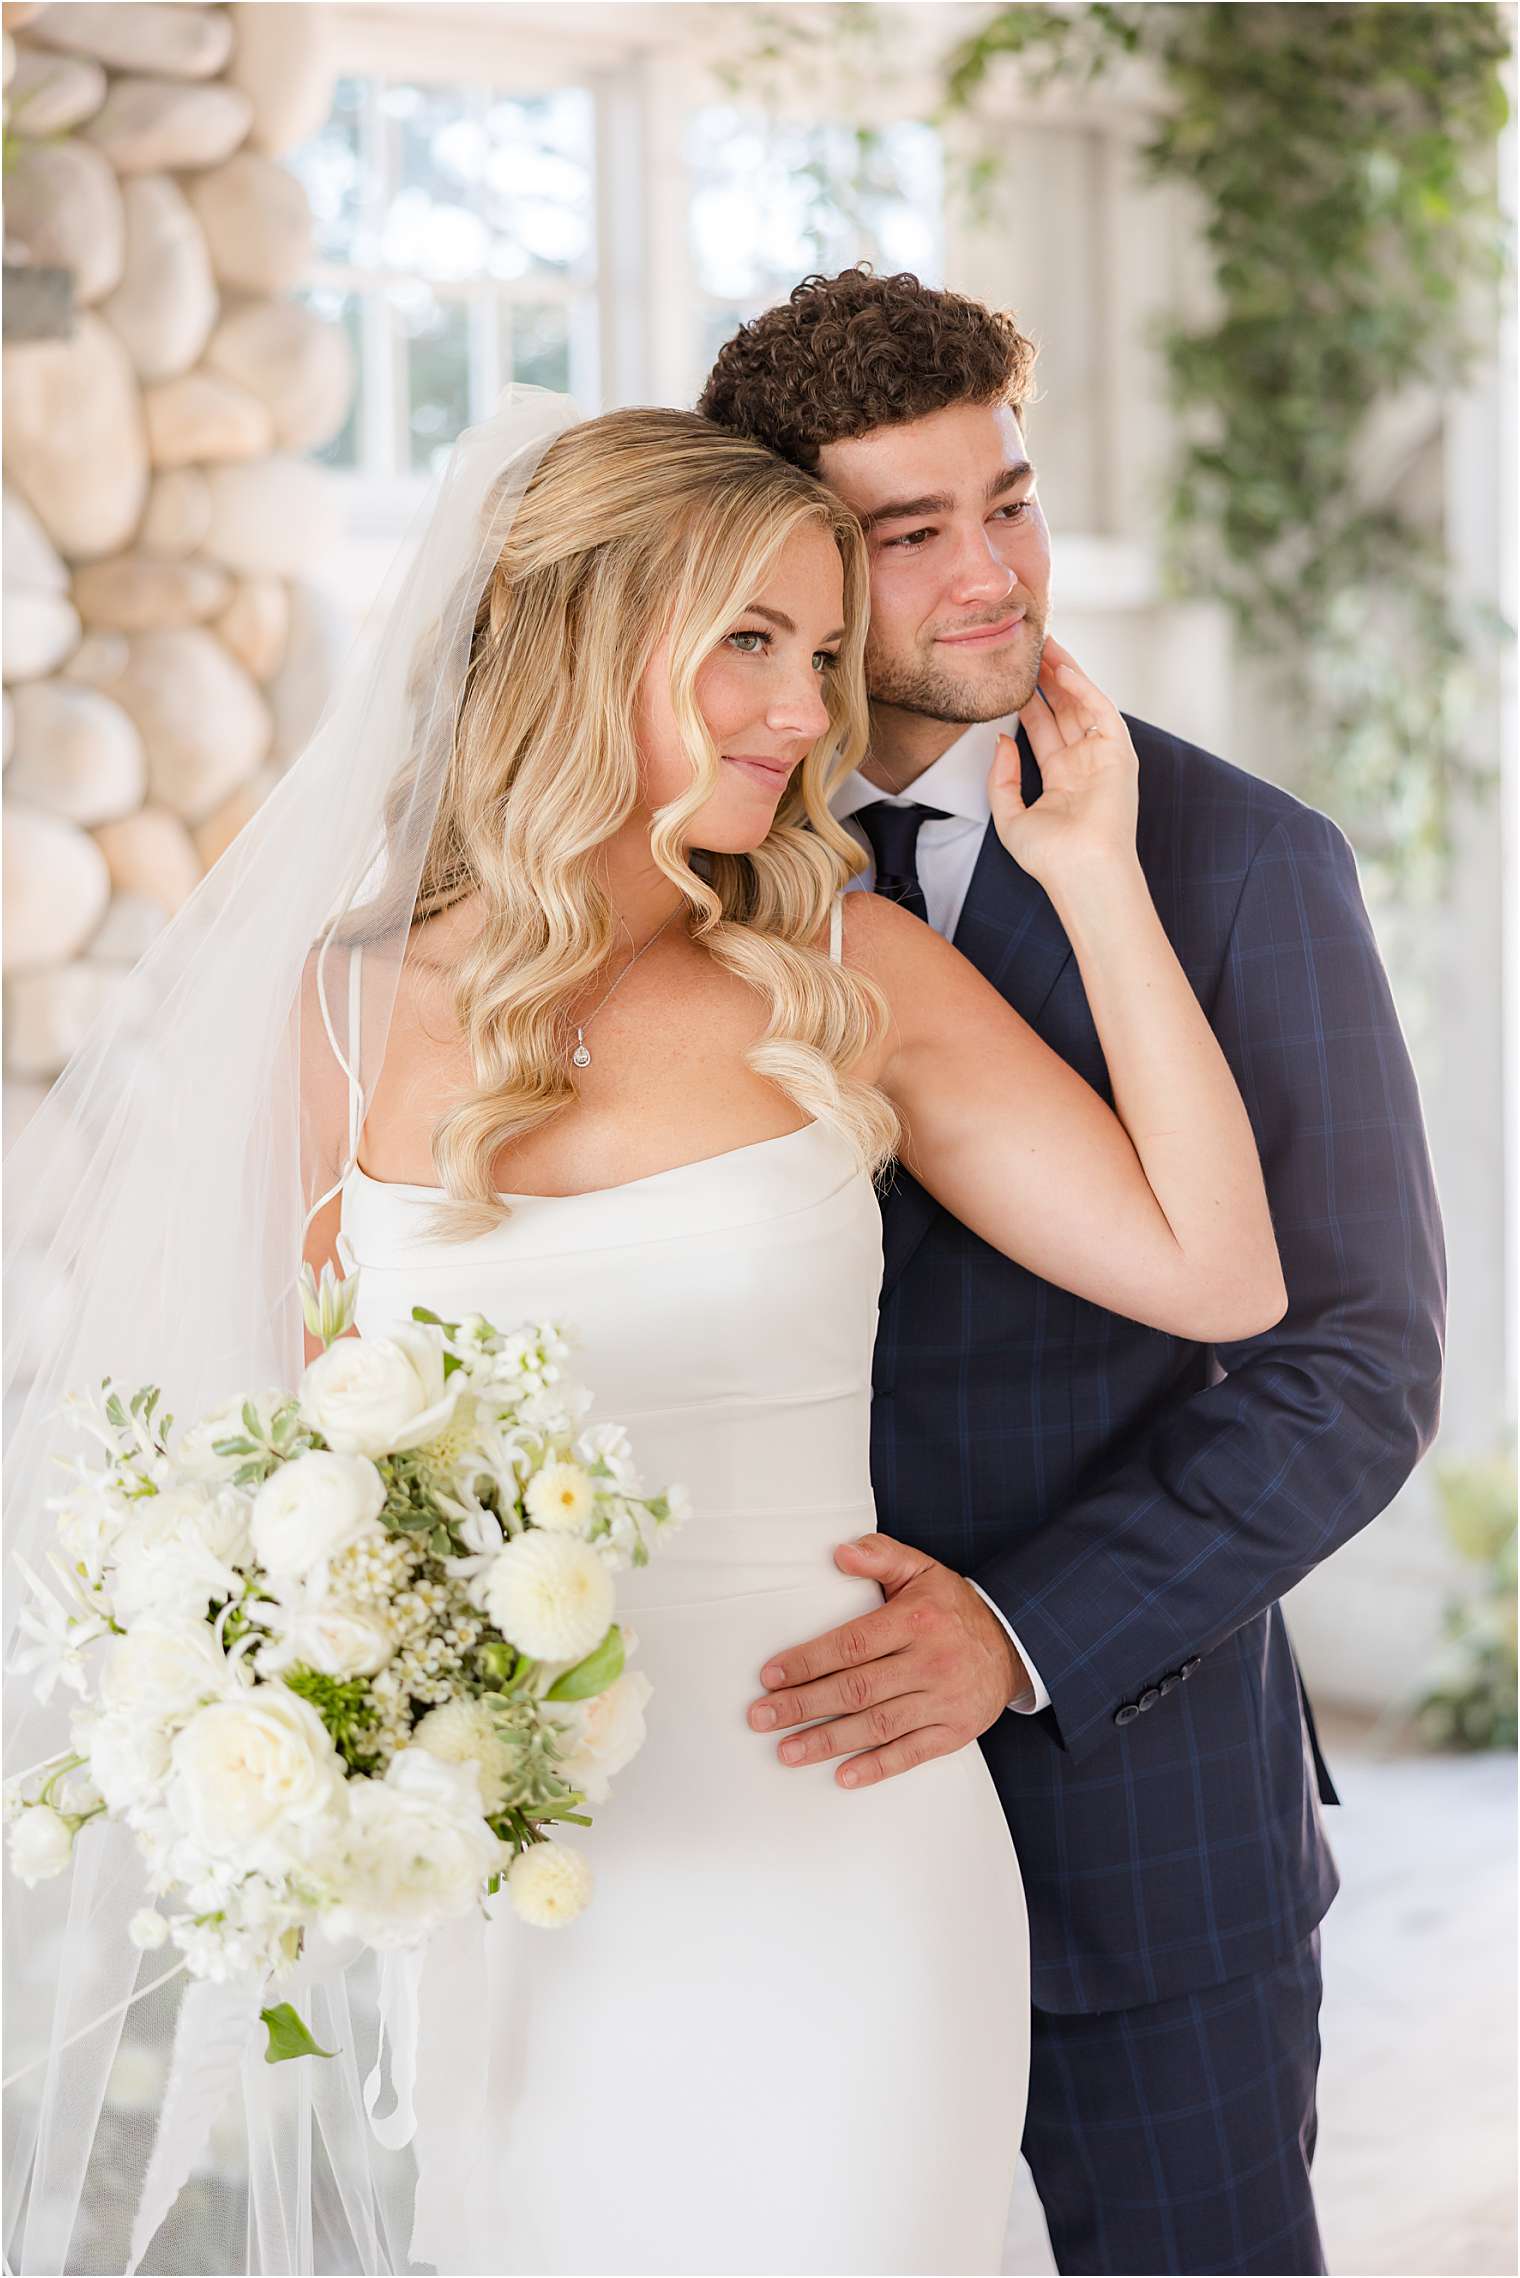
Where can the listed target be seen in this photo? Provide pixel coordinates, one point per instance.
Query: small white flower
(560, 1497)
(313, 1507)
(147, 1929)
(550, 1596)
(42, 1844)
(57, 1633)
(377, 1395)
(549, 1884)
(605, 1733)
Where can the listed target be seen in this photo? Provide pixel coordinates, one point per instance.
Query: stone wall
(163, 655)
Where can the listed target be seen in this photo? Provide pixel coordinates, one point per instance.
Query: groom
(1087, 1525)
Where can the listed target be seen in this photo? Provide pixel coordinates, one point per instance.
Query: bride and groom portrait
(971, 1133)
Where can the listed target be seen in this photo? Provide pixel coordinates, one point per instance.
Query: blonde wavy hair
(635, 526)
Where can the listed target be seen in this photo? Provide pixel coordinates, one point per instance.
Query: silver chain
(581, 1055)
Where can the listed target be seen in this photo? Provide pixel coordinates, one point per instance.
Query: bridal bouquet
(345, 1658)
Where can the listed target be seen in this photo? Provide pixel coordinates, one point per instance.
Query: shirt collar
(957, 781)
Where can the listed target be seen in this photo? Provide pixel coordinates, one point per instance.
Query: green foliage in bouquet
(1472, 1701)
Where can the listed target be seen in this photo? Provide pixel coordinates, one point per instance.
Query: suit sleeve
(1241, 1490)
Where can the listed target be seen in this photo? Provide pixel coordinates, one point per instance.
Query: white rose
(242, 1767)
(42, 1844)
(412, 1852)
(129, 1759)
(178, 1552)
(161, 1667)
(313, 1507)
(550, 1596)
(561, 1497)
(196, 1457)
(378, 1395)
(606, 1733)
(549, 1884)
(336, 1640)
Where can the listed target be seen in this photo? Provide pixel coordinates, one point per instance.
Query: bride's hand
(1085, 815)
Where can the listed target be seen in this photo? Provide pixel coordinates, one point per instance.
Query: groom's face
(960, 560)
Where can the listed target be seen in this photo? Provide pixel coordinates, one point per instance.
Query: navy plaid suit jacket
(1137, 1505)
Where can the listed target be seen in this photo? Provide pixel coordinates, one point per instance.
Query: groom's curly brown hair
(843, 355)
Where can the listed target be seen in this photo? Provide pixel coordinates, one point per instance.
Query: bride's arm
(1156, 1211)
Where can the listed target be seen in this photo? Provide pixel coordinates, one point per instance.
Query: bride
(591, 1031)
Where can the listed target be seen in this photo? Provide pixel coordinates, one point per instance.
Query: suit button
(1150, 1696)
(1189, 1666)
(1170, 1684)
(1128, 1713)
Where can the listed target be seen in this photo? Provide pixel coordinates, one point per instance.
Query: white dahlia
(549, 1885)
(550, 1596)
(561, 1497)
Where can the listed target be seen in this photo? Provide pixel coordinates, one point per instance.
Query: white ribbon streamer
(400, 1977)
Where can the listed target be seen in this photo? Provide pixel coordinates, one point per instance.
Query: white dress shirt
(947, 852)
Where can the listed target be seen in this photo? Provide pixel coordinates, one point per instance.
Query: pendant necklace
(581, 1056)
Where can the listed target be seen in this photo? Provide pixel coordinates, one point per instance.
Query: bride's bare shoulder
(895, 948)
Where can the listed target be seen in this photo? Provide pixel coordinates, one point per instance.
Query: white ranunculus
(377, 1395)
(605, 1734)
(178, 1552)
(129, 1758)
(338, 1641)
(412, 1852)
(161, 1667)
(549, 1884)
(313, 1507)
(243, 1768)
(42, 1844)
(561, 1497)
(550, 1596)
(195, 1455)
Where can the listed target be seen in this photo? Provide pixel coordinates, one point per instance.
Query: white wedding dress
(791, 2032)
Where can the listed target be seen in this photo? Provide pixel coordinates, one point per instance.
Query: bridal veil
(156, 1208)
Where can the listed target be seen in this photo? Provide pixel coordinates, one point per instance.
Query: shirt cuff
(1034, 1696)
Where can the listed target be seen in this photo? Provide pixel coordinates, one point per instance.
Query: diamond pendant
(581, 1056)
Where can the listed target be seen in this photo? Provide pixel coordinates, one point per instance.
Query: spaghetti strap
(836, 930)
(355, 1092)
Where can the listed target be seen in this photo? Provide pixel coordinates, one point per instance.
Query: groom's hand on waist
(923, 1675)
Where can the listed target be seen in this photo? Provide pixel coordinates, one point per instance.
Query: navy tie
(893, 833)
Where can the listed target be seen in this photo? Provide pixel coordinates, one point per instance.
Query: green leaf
(288, 2036)
(593, 1675)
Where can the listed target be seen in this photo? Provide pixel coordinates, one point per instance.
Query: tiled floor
(1416, 2167)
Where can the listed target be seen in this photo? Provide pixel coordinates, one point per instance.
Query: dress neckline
(597, 1193)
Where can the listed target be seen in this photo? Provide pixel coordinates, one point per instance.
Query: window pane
(436, 337)
(538, 183)
(774, 199)
(433, 223)
(344, 448)
(330, 167)
(535, 344)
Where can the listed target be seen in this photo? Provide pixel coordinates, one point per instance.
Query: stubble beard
(919, 685)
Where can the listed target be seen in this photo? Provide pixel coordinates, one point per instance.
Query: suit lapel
(1011, 934)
